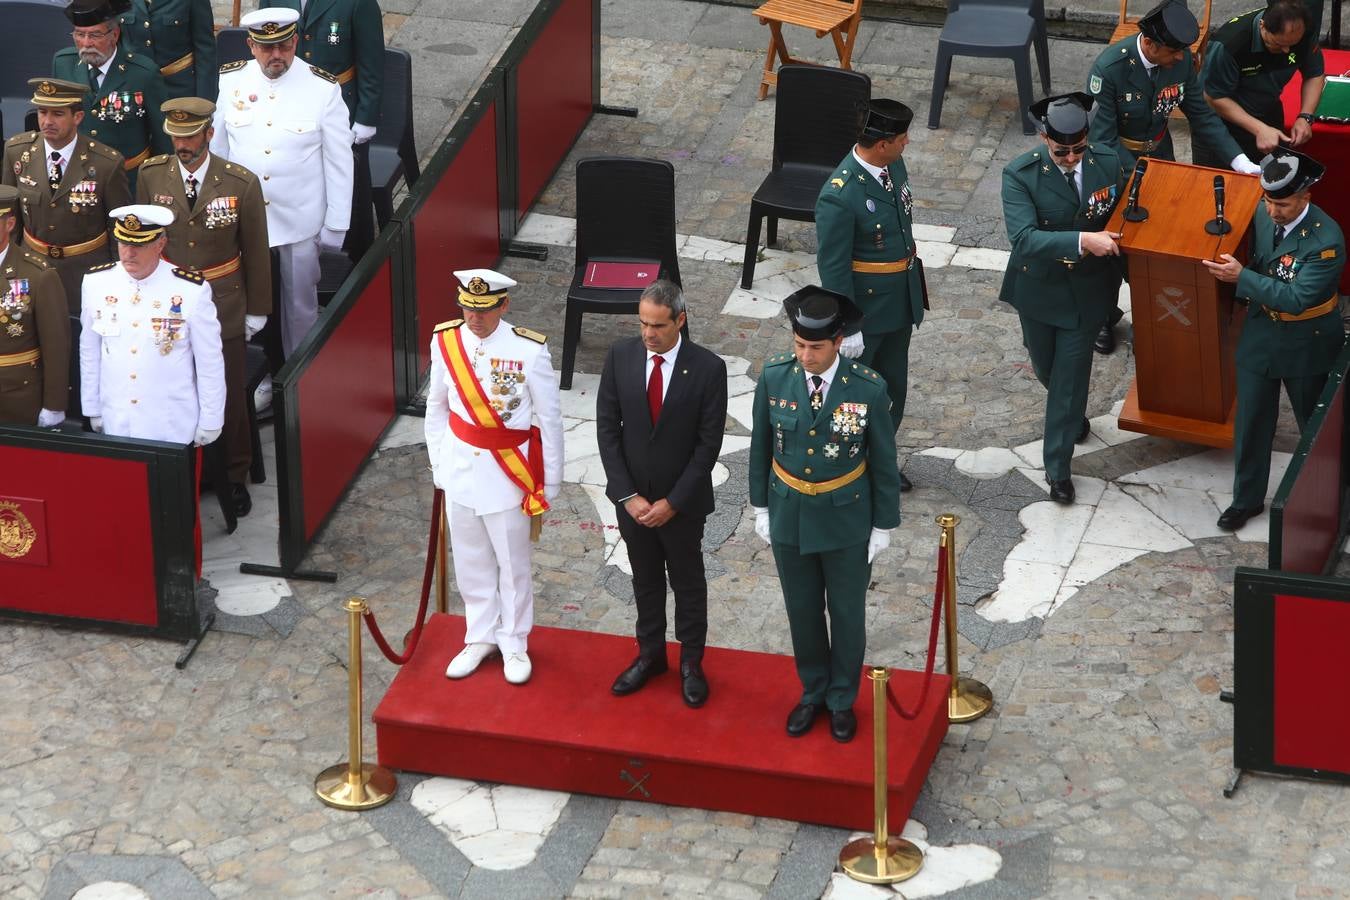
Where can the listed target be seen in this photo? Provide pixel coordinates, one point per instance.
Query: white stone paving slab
(1122, 521)
(935, 255)
(937, 234)
(942, 452)
(1090, 562)
(988, 462)
(1191, 512)
(1053, 532)
(405, 431)
(499, 827)
(110, 890)
(1033, 453)
(945, 869)
(1028, 589)
(981, 258)
(541, 228)
(1106, 429)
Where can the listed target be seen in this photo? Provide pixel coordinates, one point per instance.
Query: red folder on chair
(627, 275)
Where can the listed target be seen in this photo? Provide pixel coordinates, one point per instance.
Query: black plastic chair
(393, 154)
(815, 125)
(231, 46)
(993, 29)
(37, 31)
(625, 211)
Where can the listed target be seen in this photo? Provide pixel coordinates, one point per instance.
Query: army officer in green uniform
(826, 493)
(1063, 276)
(1137, 82)
(866, 250)
(179, 35)
(1293, 331)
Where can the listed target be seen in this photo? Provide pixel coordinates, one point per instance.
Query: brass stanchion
(967, 699)
(880, 859)
(354, 785)
(443, 565)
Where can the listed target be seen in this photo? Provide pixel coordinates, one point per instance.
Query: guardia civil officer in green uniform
(1293, 330)
(122, 109)
(179, 35)
(826, 493)
(1063, 276)
(1137, 82)
(866, 250)
(1248, 61)
(345, 38)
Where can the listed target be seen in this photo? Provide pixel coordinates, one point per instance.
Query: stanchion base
(969, 701)
(378, 787)
(861, 861)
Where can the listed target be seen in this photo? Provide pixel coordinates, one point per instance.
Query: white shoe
(517, 667)
(262, 395)
(469, 659)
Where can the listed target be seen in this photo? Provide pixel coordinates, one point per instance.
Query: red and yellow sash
(488, 432)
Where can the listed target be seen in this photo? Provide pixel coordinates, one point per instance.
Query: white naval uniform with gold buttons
(489, 535)
(292, 133)
(150, 359)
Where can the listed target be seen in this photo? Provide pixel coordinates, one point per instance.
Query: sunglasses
(1061, 152)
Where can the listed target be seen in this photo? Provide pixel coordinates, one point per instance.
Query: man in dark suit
(660, 414)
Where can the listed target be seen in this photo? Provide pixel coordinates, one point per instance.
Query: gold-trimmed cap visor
(482, 289)
(53, 92)
(140, 223)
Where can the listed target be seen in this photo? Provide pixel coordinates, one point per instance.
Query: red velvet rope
(437, 504)
(939, 593)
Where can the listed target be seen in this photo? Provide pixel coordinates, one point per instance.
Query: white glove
(96, 423)
(205, 436)
(50, 418)
(331, 240)
(1244, 165)
(762, 523)
(880, 540)
(362, 133)
(253, 325)
(852, 347)
(436, 479)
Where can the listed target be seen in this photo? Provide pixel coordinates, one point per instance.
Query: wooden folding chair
(837, 19)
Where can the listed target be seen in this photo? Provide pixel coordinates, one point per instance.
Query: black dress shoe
(693, 685)
(1106, 340)
(843, 725)
(802, 717)
(243, 503)
(1083, 432)
(636, 675)
(1234, 518)
(905, 486)
(1061, 490)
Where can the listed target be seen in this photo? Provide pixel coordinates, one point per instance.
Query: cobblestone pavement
(1098, 774)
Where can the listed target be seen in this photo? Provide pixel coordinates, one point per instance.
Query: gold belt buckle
(1274, 314)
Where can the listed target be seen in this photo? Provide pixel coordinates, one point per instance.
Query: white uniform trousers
(299, 291)
(492, 572)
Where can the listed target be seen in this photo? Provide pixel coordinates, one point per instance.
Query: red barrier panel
(1310, 636)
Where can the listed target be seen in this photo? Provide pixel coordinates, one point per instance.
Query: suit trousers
(829, 657)
(492, 572)
(238, 440)
(674, 551)
(888, 354)
(1062, 361)
(1258, 412)
(299, 291)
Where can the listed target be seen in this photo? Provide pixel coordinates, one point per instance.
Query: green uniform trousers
(1062, 361)
(829, 658)
(887, 354)
(1258, 412)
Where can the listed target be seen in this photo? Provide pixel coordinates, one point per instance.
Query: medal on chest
(506, 384)
(333, 33)
(1168, 99)
(1099, 204)
(13, 306)
(907, 199)
(849, 419)
(1285, 268)
(222, 212)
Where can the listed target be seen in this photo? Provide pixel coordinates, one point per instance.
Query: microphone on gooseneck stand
(1133, 211)
(1218, 225)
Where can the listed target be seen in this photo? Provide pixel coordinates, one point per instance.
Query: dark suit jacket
(674, 460)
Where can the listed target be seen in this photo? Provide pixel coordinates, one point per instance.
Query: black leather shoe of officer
(802, 717)
(693, 684)
(843, 725)
(636, 675)
(1083, 431)
(243, 503)
(1234, 518)
(1106, 340)
(1061, 490)
(905, 486)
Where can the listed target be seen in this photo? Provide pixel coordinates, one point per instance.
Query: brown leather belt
(211, 273)
(882, 268)
(28, 357)
(814, 488)
(1320, 309)
(177, 65)
(57, 251)
(346, 76)
(1143, 146)
(129, 164)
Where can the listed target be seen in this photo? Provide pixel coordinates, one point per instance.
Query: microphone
(1133, 211)
(1218, 225)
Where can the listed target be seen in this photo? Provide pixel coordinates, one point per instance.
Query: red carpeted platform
(565, 731)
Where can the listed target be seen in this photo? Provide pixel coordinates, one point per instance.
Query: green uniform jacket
(1047, 280)
(228, 220)
(856, 218)
(33, 316)
(1300, 273)
(1130, 105)
(168, 30)
(125, 114)
(853, 425)
(339, 35)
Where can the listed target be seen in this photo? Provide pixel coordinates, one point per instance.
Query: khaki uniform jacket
(32, 317)
(229, 220)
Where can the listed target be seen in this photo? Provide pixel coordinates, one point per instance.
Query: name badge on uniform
(871, 205)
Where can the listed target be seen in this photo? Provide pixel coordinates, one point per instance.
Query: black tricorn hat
(1285, 173)
(820, 315)
(1171, 24)
(87, 13)
(1063, 118)
(880, 119)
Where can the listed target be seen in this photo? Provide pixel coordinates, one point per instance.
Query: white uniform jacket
(293, 134)
(150, 358)
(528, 394)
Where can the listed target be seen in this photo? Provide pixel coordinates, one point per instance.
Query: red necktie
(654, 386)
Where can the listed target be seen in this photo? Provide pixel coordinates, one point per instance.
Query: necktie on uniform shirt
(54, 170)
(817, 395)
(886, 180)
(190, 188)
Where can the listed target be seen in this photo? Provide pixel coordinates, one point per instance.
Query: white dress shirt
(874, 171)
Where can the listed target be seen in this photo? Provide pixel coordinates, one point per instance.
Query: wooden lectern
(1185, 321)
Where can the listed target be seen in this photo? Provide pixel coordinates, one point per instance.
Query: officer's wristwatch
(1307, 116)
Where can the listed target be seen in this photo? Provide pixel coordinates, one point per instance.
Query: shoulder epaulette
(326, 76)
(143, 62)
(779, 359)
(159, 160)
(26, 137)
(453, 323)
(237, 171)
(1026, 160)
(36, 259)
(530, 335)
(863, 372)
(233, 66)
(189, 275)
(103, 150)
(100, 267)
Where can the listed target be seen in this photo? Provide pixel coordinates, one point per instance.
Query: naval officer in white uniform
(150, 360)
(285, 121)
(490, 385)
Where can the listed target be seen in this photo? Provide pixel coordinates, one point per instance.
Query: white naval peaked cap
(270, 25)
(140, 223)
(482, 289)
